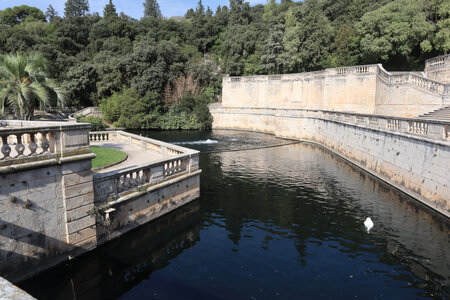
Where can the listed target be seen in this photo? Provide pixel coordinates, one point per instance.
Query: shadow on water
(279, 222)
(116, 267)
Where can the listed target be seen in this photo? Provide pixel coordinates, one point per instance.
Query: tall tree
(18, 15)
(24, 85)
(110, 10)
(307, 39)
(397, 28)
(151, 9)
(51, 13)
(75, 8)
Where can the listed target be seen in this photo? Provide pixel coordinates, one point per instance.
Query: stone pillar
(78, 195)
(78, 190)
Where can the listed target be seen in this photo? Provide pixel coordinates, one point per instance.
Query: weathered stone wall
(44, 199)
(388, 148)
(146, 205)
(407, 94)
(349, 89)
(361, 89)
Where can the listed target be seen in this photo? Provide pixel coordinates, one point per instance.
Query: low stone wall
(127, 198)
(412, 155)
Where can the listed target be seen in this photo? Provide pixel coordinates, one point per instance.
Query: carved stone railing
(437, 61)
(176, 161)
(357, 70)
(165, 149)
(28, 141)
(416, 128)
(413, 79)
(85, 112)
(435, 130)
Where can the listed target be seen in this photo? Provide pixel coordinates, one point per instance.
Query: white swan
(369, 224)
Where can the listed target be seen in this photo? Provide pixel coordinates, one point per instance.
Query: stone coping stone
(10, 291)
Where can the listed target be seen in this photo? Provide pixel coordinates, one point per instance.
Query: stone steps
(442, 114)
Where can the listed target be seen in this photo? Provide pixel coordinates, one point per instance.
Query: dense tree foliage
(168, 70)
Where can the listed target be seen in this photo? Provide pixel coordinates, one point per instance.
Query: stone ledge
(12, 292)
(28, 166)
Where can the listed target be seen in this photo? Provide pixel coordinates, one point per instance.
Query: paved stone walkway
(136, 156)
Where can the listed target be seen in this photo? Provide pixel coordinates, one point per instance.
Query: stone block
(80, 212)
(77, 178)
(82, 235)
(78, 190)
(73, 227)
(79, 201)
(75, 167)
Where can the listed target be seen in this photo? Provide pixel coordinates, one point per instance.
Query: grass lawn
(106, 156)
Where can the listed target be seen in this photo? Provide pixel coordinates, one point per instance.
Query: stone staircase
(441, 114)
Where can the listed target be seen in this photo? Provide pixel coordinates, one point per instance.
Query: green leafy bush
(97, 123)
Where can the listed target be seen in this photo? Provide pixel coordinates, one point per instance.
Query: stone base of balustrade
(146, 204)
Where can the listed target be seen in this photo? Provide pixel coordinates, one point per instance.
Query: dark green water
(283, 222)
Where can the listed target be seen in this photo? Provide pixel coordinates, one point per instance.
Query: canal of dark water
(284, 222)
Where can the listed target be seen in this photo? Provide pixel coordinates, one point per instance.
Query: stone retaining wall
(409, 154)
(361, 89)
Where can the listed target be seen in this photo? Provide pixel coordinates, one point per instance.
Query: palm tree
(24, 85)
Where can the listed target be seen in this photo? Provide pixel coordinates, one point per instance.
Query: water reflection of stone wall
(121, 264)
(311, 174)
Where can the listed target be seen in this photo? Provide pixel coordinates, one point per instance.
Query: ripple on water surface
(283, 222)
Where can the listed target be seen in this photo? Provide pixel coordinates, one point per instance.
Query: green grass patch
(106, 156)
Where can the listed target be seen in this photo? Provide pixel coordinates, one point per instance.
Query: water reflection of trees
(123, 263)
(320, 198)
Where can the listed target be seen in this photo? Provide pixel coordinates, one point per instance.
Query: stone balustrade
(429, 129)
(432, 130)
(413, 79)
(144, 143)
(28, 141)
(176, 161)
(437, 61)
(85, 112)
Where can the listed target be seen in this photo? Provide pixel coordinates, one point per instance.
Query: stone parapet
(438, 68)
(366, 89)
(127, 198)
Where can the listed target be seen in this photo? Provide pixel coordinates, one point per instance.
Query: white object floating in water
(368, 223)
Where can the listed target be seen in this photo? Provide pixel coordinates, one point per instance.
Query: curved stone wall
(409, 154)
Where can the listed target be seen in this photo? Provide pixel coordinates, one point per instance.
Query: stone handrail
(88, 111)
(413, 79)
(165, 149)
(437, 61)
(437, 131)
(176, 161)
(28, 141)
(359, 70)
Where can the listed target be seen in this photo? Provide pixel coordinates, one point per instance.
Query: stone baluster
(6, 150)
(45, 145)
(146, 175)
(20, 148)
(32, 145)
